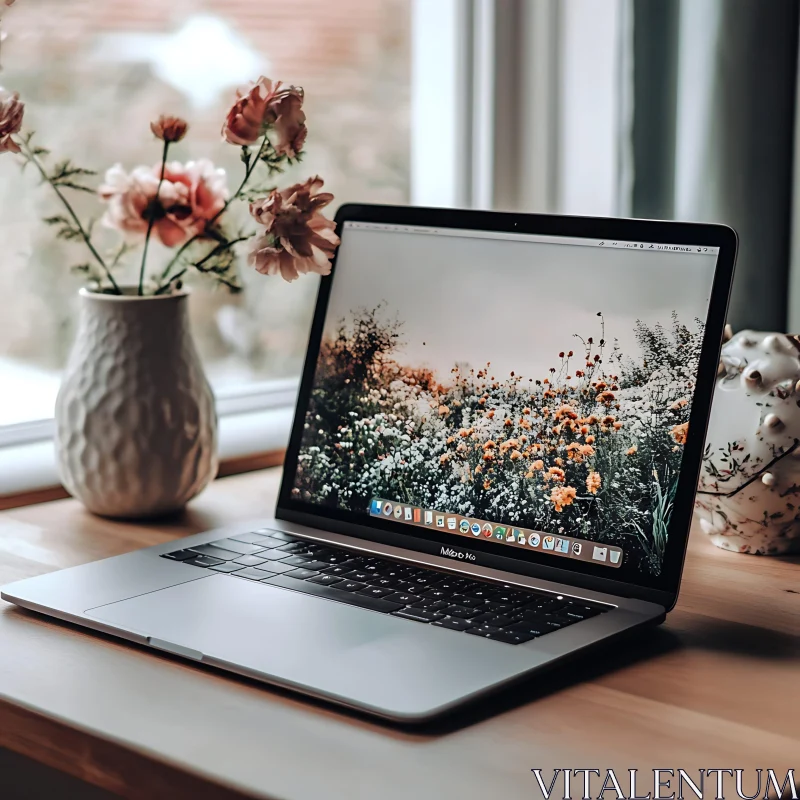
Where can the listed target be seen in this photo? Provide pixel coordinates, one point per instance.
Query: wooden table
(716, 686)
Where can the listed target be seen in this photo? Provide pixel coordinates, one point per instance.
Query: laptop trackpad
(326, 648)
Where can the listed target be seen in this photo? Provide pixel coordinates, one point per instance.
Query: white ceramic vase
(136, 427)
(749, 491)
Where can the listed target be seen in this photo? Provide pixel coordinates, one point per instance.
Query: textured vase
(749, 492)
(136, 427)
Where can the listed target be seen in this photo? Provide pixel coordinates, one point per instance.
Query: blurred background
(654, 108)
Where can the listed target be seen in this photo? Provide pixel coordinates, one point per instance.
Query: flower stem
(247, 174)
(27, 154)
(152, 219)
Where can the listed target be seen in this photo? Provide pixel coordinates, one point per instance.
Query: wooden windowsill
(227, 467)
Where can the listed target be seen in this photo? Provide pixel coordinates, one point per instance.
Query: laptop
(492, 466)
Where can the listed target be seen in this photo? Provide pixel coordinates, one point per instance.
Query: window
(466, 103)
(93, 74)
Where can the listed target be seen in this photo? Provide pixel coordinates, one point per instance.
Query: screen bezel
(662, 588)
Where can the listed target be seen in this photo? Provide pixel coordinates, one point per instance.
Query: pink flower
(262, 105)
(11, 113)
(169, 129)
(297, 239)
(191, 196)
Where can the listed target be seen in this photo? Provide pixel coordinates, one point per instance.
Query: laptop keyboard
(495, 611)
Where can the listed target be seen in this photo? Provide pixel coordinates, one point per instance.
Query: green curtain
(712, 132)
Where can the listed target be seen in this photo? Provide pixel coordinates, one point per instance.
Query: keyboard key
(460, 611)
(402, 597)
(325, 580)
(252, 538)
(499, 608)
(578, 612)
(510, 638)
(275, 567)
(294, 547)
(499, 621)
(215, 552)
(334, 593)
(284, 537)
(312, 564)
(481, 593)
(387, 583)
(418, 614)
(303, 574)
(527, 627)
(376, 591)
(252, 574)
(453, 623)
(250, 561)
(204, 561)
(509, 597)
(351, 586)
(272, 555)
(337, 569)
(470, 602)
(431, 604)
(227, 566)
(306, 562)
(179, 555)
(357, 575)
(241, 548)
(301, 561)
(483, 630)
(483, 617)
(435, 593)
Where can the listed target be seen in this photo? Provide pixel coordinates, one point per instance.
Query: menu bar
(531, 237)
(556, 545)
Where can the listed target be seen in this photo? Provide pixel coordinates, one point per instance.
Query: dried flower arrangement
(185, 205)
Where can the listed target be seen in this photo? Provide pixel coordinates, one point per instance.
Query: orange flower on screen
(680, 432)
(490, 414)
(590, 439)
(555, 474)
(489, 445)
(515, 455)
(631, 450)
(562, 496)
(487, 483)
(537, 465)
(566, 412)
(606, 398)
(593, 481)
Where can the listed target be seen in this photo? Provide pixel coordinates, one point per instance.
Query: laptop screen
(529, 391)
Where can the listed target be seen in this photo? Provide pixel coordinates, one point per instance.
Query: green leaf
(57, 220)
(67, 184)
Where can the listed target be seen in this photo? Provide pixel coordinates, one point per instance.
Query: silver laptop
(492, 467)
